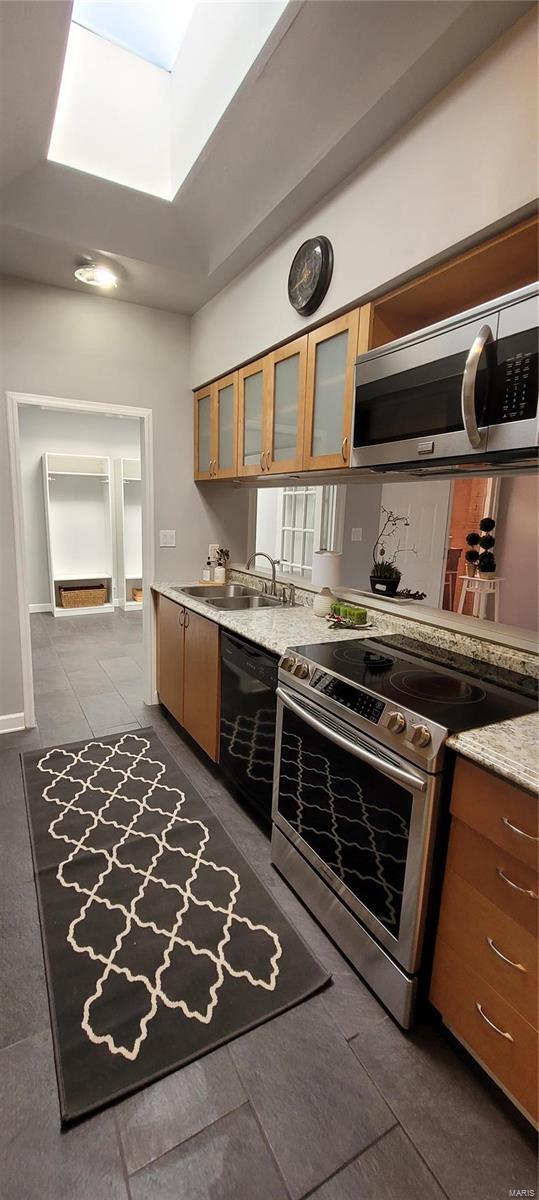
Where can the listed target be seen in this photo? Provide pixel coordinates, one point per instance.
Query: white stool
(480, 589)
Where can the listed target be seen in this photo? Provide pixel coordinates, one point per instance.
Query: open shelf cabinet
(129, 531)
(78, 512)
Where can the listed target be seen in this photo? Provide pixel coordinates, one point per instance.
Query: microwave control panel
(515, 393)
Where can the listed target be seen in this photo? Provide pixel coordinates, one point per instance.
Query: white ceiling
(334, 81)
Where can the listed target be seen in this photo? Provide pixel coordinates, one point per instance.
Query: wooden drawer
(479, 861)
(455, 991)
(480, 933)
(503, 813)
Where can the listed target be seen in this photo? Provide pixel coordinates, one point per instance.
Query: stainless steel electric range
(359, 759)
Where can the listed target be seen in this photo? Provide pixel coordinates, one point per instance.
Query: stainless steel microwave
(457, 391)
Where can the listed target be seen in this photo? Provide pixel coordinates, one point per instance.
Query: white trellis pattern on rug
(81, 788)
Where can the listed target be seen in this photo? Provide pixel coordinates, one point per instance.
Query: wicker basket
(136, 594)
(83, 597)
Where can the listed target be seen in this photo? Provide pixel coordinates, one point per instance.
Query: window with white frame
(293, 523)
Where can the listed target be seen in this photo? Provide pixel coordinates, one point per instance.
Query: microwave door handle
(469, 378)
(385, 766)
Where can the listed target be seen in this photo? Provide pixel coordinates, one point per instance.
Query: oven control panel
(353, 698)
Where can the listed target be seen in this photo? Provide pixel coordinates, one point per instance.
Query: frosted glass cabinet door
(287, 368)
(203, 434)
(226, 409)
(332, 351)
(252, 391)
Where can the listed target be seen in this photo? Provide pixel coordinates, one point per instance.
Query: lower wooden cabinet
(484, 979)
(188, 671)
(170, 655)
(201, 681)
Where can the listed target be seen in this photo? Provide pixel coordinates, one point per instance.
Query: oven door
(363, 818)
(425, 399)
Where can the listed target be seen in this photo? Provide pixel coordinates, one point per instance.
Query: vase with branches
(385, 574)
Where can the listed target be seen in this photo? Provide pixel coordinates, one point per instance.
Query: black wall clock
(310, 275)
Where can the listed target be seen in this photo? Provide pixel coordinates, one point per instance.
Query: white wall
(61, 343)
(516, 532)
(466, 161)
(42, 431)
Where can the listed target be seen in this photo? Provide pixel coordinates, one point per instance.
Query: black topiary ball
(487, 563)
(487, 524)
(472, 556)
(473, 539)
(487, 542)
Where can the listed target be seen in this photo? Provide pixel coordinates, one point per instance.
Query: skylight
(152, 29)
(145, 84)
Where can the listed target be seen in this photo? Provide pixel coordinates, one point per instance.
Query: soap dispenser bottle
(206, 573)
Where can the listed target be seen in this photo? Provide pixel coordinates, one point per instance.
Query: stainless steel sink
(210, 591)
(241, 602)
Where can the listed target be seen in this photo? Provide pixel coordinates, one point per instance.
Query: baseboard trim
(12, 722)
(35, 608)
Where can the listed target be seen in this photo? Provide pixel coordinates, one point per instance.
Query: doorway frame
(15, 401)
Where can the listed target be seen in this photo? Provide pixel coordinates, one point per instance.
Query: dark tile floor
(330, 1100)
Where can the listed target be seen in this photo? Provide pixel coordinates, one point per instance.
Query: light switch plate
(357, 534)
(212, 549)
(167, 537)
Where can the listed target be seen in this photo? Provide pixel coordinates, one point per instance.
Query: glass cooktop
(450, 689)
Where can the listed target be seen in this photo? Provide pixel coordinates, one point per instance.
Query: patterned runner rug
(160, 942)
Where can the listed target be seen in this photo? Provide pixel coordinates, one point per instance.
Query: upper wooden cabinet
(252, 416)
(329, 393)
(216, 415)
(285, 406)
(204, 432)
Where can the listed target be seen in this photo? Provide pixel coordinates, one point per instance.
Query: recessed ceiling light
(97, 275)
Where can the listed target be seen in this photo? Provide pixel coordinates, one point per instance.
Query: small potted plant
(385, 575)
(471, 558)
(220, 570)
(487, 564)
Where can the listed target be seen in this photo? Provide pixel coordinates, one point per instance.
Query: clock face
(310, 275)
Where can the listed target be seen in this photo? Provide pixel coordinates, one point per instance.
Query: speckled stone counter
(274, 628)
(510, 748)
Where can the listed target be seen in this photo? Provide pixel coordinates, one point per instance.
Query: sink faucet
(274, 562)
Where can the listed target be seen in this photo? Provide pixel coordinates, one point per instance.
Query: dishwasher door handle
(384, 765)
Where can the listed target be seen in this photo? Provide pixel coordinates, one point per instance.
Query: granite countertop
(275, 628)
(509, 748)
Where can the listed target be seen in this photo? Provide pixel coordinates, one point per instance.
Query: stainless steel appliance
(248, 713)
(462, 392)
(359, 756)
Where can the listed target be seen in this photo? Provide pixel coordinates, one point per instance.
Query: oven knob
(301, 670)
(288, 662)
(421, 735)
(396, 722)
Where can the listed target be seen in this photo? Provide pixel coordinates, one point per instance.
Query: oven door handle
(467, 395)
(386, 766)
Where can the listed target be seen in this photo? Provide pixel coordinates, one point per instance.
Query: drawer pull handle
(502, 1032)
(516, 886)
(515, 829)
(494, 948)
